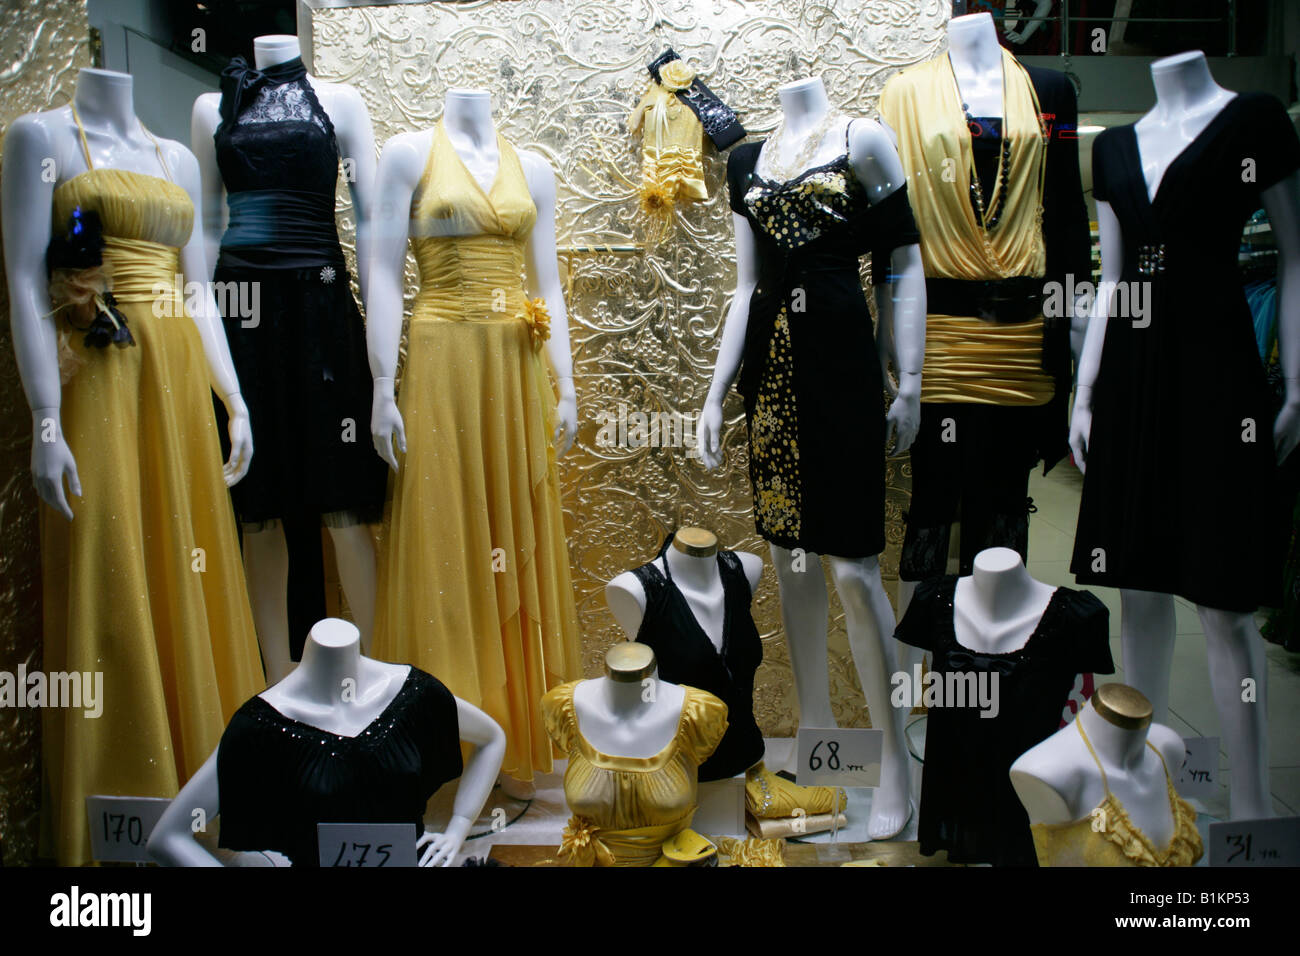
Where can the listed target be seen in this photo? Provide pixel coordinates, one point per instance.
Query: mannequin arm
(1282, 203)
(26, 195)
(543, 279)
(1112, 255)
(356, 138)
(172, 842)
(221, 368)
(732, 347)
(204, 120)
(474, 787)
(1018, 37)
(399, 169)
(901, 303)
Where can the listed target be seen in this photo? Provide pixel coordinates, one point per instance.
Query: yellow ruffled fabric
(624, 808)
(986, 363)
(145, 584)
(474, 580)
(672, 151)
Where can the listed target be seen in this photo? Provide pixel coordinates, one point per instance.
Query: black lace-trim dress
(968, 806)
(278, 777)
(687, 655)
(296, 335)
(810, 376)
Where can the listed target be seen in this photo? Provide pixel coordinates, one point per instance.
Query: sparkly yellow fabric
(145, 584)
(672, 150)
(474, 569)
(774, 437)
(624, 808)
(1107, 837)
(988, 363)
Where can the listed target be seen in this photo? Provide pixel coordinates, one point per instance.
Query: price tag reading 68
(839, 756)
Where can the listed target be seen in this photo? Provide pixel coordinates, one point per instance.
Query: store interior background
(645, 321)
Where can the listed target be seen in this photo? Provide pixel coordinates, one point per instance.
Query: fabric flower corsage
(538, 320)
(578, 842)
(676, 75)
(80, 282)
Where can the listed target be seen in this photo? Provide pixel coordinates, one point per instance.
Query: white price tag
(366, 844)
(1199, 775)
(839, 757)
(1274, 842)
(120, 827)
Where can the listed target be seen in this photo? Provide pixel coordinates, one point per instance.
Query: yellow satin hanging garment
(474, 580)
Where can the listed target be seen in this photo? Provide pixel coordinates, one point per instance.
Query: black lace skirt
(299, 347)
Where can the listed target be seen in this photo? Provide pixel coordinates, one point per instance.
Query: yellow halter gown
(145, 583)
(474, 573)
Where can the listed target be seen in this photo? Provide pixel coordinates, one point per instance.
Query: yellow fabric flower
(578, 841)
(538, 320)
(676, 75)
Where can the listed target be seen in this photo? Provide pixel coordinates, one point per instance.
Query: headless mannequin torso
(266, 555)
(629, 712)
(337, 690)
(1187, 100)
(997, 609)
(900, 341)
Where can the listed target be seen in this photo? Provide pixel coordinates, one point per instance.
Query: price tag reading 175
(120, 827)
(839, 756)
(1273, 842)
(366, 844)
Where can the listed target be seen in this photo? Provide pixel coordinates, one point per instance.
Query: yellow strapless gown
(474, 571)
(122, 590)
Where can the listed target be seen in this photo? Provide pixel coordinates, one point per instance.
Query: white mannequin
(313, 694)
(996, 609)
(467, 117)
(1058, 782)
(625, 715)
(117, 140)
(266, 556)
(976, 57)
(869, 617)
(1187, 99)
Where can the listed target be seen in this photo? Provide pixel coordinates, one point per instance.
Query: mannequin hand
(1081, 426)
(904, 417)
(566, 428)
(440, 849)
(386, 423)
(241, 440)
(51, 461)
(1286, 429)
(708, 441)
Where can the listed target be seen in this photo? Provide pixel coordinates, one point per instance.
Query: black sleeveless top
(278, 777)
(688, 656)
(279, 161)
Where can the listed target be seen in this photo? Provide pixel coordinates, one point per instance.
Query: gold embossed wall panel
(43, 45)
(645, 322)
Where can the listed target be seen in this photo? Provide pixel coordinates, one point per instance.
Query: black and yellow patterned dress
(810, 377)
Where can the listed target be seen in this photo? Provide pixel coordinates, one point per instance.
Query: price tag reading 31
(120, 827)
(366, 844)
(839, 757)
(1274, 842)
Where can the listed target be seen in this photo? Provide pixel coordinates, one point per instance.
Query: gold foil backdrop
(43, 45)
(645, 323)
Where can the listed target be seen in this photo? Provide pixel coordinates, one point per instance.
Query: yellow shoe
(768, 796)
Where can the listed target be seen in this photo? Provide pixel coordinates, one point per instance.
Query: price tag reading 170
(120, 827)
(1273, 842)
(839, 756)
(366, 844)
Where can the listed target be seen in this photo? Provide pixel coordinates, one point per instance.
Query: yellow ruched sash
(586, 844)
(987, 363)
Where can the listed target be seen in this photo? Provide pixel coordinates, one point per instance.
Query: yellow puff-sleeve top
(624, 808)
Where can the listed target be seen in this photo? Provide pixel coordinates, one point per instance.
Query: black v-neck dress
(810, 375)
(687, 655)
(278, 777)
(968, 806)
(1181, 492)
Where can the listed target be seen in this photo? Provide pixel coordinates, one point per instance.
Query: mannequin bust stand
(313, 694)
(997, 609)
(1187, 100)
(1058, 780)
(266, 554)
(629, 712)
(869, 617)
